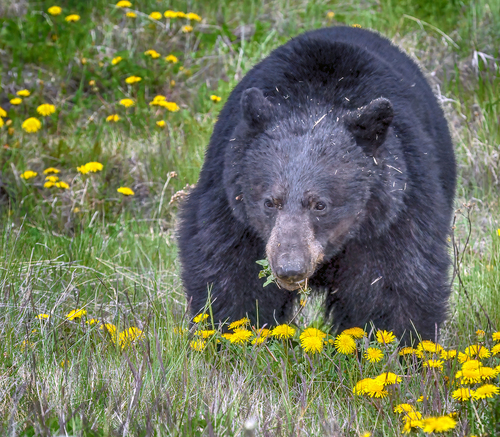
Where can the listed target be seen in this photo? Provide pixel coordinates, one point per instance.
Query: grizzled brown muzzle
(292, 250)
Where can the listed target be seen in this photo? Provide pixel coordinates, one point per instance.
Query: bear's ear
(369, 124)
(256, 109)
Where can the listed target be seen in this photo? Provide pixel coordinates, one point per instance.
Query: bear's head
(304, 177)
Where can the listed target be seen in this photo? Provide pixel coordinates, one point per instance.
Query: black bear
(333, 159)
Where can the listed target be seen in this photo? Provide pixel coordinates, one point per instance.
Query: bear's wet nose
(291, 272)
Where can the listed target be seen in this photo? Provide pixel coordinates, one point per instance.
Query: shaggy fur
(332, 158)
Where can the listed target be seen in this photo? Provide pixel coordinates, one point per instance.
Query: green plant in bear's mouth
(266, 272)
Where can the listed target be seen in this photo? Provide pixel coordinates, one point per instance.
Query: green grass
(90, 247)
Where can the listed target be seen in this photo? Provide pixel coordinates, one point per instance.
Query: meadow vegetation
(105, 113)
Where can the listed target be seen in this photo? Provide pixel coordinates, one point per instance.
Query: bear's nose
(291, 272)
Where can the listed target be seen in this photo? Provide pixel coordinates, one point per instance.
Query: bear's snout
(291, 270)
(292, 251)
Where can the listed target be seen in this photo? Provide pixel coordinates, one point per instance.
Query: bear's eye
(320, 206)
(268, 203)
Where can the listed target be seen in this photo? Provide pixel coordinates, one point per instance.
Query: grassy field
(123, 363)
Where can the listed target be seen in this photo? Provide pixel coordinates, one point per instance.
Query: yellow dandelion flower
(116, 60)
(171, 106)
(205, 333)
(127, 337)
(477, 350)
(373, 354)
(153, 53)
(462, 358)
(72, 18)
(227, 335)
(356, 25)
(200, 318)
(187, 29)
(487, 373)
(439, 424)
(54, 10)
(495, 336)
(113, 117)
(404, 408)
(470, 373)
(23, 93)
(1, 122)
(193, 16)
(448, 355)
(123, 4)
(240, 335)
(283, 331)
(171, 58)
(435, 364)
(170, 14)
(46, 109)
(498, 232)
(49, 184)
(480, 333)
(155, 15)
(262, 335)
(376, 389)
(427, 346)
(127, 103)
(411, 417)
(62, 185)
(51, 170)
(42, 316)
(330, 15)
(126, 191)
(28, 174)
(345, 344)
(312, 344)
(92, 322)
(110, 328)
(160, 123)
(312, 332)
(486, 391)
(215, 98)
(76, 314)
(2, 112)
(385, 337)
(407, 351)
(16, 101)
(90, 167)
(197, 345)
(31, 125)
(462, 394)
(240, 322)
(355, 332)
(133, 79)
(409, 423)
(361, 386)
(388, 378)
(366, 434)
(52, 178)
(157, 100)
(495, 350)
(131, 14)
(180, 14)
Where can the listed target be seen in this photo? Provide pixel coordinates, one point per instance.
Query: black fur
(333, 158)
